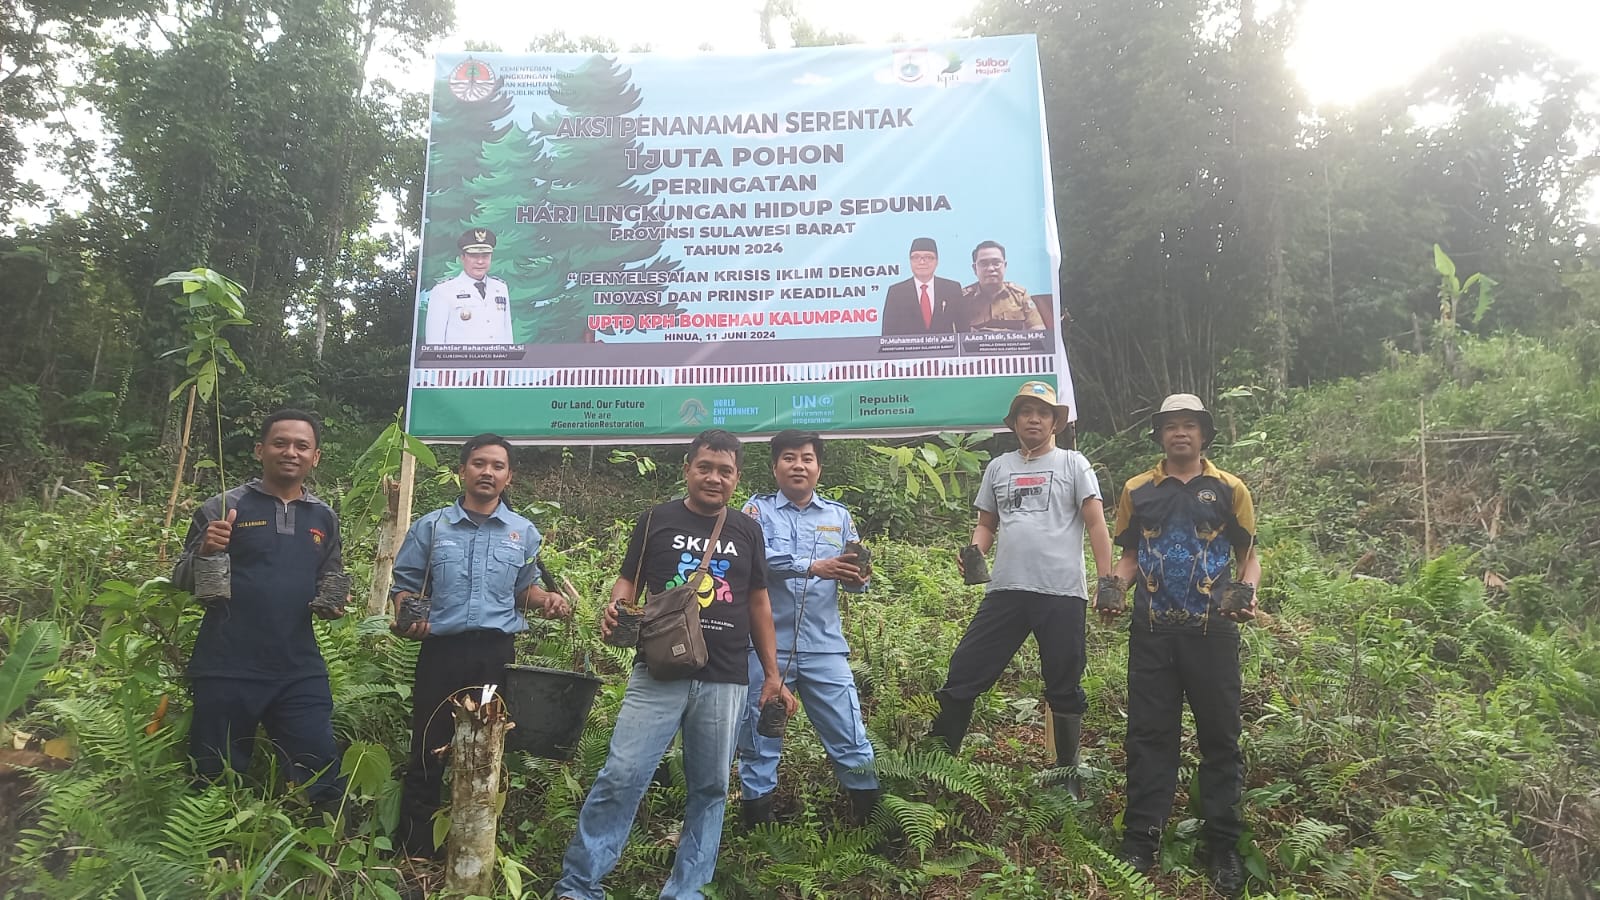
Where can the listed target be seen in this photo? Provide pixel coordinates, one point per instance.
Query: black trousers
(1163, 670)
(1003, 621)
(297, 715)
(444, 665)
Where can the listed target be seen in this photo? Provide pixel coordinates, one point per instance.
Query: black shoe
(757, 811)
(950, 725)
(1227, 872)
(863, 803)
(1139, 860)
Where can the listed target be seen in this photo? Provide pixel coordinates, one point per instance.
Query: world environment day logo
(692, 412)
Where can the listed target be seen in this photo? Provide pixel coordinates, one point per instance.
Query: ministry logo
(472, 81)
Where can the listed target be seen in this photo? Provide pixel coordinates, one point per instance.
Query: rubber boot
(1069, 731)
(756, 811)
(950, 725)
(863, 802)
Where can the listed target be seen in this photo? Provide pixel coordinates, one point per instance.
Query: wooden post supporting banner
(391, 532)
(476, 752)
(1422, 446)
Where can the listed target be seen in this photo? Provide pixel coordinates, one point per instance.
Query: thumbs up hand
(218, 533)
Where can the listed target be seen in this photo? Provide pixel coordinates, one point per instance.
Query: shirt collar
(1160, 471)
(256, 484)
(780, 500)
(456, 513)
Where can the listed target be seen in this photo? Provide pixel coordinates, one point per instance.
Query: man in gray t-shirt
(1037, 502)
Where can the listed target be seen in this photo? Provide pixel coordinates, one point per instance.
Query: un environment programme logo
(472, 81)
(693, 412)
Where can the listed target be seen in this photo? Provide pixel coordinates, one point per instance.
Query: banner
(636, 247)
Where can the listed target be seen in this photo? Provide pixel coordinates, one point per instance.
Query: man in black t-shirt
(735, 614)
(256, 662)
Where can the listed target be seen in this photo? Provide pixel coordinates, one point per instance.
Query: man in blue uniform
(256, 662)
(471, 308)
(475, 560)
(806, 535)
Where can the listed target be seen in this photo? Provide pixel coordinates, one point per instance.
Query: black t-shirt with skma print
(676, 541)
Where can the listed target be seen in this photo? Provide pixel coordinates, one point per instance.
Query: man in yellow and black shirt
(1183, 527)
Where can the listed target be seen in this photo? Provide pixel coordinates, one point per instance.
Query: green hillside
(1415, 726)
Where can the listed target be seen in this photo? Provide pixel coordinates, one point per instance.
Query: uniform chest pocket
(505, 563)
(449, 561)
(829, 538)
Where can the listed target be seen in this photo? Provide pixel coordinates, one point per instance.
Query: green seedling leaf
(35, 653)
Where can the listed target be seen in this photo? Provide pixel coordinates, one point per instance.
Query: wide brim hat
(1039, 390)
(1183, 403)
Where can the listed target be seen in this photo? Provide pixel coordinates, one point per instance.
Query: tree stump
(475, 761)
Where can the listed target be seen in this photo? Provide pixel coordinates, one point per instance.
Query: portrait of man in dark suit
(923, 303)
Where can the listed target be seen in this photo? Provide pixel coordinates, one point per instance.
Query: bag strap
(705, 558)
(704, 566)
(638, 570)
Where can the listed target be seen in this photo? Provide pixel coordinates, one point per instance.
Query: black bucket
(550, 707)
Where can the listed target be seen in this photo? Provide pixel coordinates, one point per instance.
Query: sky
(1345, 49)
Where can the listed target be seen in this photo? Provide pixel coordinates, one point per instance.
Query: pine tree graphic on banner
(582, 172)
(460, 132)
(518, 257)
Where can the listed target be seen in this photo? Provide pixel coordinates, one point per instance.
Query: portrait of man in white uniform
(471, 308)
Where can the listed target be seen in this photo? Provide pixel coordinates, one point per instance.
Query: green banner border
(645, 414)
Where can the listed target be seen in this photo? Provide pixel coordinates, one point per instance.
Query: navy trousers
(297, 715)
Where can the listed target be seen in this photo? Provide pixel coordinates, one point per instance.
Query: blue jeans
(827, 688)
(652, 712)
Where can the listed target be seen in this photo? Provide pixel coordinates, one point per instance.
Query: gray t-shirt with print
(1039, 501)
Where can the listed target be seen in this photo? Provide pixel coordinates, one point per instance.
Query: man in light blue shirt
(806, 535)
(474, 562)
